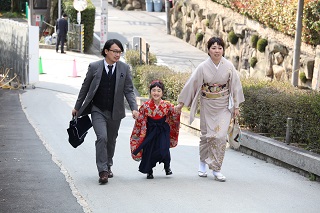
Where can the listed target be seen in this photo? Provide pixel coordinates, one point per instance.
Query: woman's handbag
(78, 129)
(234, 133)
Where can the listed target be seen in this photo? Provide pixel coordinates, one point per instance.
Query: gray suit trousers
(106, 131)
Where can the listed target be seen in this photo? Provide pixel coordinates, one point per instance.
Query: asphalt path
(252, 185)
(151, 26)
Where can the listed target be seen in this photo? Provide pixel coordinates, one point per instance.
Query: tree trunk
(15, 6)
(53, 13)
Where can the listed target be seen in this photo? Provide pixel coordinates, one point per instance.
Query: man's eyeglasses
(116, 52)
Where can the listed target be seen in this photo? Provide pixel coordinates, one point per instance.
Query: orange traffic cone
(74, 73)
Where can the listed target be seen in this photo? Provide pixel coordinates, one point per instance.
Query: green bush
(269, 104)
(12, 15)
(232, 37)
(207, 23)
(5, 5)
(261, 44)
(173, 81)
(87, 19)
(199, 37)
(281, 16)
(254, 41)
(132, 57)
(253, 62)
(152, 58)
(303, 77)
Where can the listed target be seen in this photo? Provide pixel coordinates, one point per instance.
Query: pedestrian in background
(218, 85)
(102, 94)
(155, 131)
(61, 29)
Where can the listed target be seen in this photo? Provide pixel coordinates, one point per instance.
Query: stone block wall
(190, 18)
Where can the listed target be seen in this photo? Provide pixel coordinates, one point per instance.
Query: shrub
(281, 16)
(261, 44)
(254, 41)
(87, 19)
(132, 57)
(303, 77)
(152, 59)
(173, 81)
(269, 104)
(5, 6)
(232, 37)
(253, 62)
(199, 37)
(207, 22)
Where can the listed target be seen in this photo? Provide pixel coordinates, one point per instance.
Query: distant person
(214, 81)
(155, 131)
(61, 29)
(171, 3)
(102, 94)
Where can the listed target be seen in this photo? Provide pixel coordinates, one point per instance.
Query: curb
(272, 151)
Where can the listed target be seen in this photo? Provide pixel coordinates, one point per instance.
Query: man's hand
(74, 112)
(135, 114)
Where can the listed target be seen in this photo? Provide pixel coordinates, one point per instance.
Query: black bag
(78, 129)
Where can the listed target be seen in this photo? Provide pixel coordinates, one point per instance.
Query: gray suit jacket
(123, 88)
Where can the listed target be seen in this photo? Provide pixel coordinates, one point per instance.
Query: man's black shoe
(103, 177)
(110, 173)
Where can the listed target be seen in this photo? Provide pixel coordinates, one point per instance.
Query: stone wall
(131, 4)
(192, 17)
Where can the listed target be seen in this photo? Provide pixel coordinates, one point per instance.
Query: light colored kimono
(215, 114)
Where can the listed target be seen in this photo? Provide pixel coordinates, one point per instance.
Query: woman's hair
(217, 40)
(156, 83)
(108, 45)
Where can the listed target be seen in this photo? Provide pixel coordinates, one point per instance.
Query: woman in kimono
(155, 131)
(216, 82)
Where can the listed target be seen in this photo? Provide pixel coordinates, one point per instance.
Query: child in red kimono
(155, 131)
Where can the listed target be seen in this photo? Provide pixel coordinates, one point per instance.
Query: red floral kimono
(149, 112)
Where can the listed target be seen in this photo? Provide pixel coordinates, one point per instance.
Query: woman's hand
(236, 112)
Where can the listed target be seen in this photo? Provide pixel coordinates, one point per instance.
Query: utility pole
(297, 44)
(167, 6)
(104, 23)
(59, 9)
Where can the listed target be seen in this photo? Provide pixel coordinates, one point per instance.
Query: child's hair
(156, 83)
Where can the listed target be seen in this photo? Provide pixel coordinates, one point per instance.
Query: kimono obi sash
(213, 91)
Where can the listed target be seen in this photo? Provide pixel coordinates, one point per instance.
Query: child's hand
(178, 108)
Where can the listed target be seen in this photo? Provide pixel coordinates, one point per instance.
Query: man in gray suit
(62, 29)
(102, 94)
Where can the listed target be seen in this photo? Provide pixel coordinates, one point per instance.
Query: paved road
(252, 185)
(170, 50)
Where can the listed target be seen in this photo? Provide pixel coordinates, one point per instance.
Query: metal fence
(75, 37)
(14, 50)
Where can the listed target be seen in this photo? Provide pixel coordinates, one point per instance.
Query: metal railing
(75, 38)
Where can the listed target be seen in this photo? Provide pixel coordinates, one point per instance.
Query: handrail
(49, 24)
